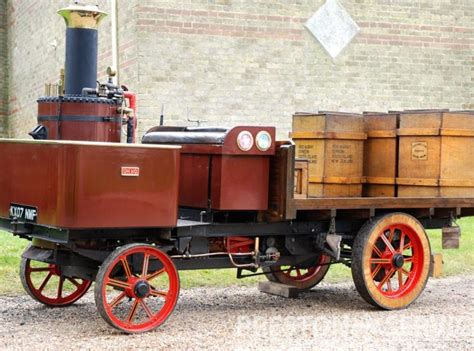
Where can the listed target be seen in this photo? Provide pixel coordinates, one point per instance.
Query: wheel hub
(398, 261)
(141, 289)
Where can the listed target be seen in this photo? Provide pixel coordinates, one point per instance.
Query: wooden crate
(333, 143)
(380, 154)
(301, 178)
(436, 154)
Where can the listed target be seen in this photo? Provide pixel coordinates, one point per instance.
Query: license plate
(21, 213)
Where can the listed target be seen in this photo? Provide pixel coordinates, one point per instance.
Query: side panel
(194, 180)
(106, 198)
(83, 185)
(30, 176)
(240, 182)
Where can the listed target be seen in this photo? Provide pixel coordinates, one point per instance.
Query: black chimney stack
(81, 46)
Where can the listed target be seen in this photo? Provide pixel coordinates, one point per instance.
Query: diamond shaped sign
(333, 27)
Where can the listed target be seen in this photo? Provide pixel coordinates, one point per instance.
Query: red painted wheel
(137, 288)
(46, 284)
(391, 261)
(302, 278)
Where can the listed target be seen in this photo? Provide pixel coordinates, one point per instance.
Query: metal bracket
(432, 212)
(372, 213)
(334, 243)
(332, 225)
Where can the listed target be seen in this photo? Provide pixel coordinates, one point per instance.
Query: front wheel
(136, 288)
(391, 261)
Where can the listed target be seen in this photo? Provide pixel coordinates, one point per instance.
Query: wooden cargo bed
(283, 205)
(381, 203)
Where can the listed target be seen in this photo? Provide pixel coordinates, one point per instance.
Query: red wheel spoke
(380, 261)
(146, 260)
(146, 308)
(407, 246)
(132, 312)
(46, 280)
(117, 300)
(400, 279)
(126, 267)
(154, 275)
(408, 259)
(404, 271)
(389, 285)
(42, 269)
(60, 287)
(386, 278)
(402, 242)
(387, 243)
(391, 235)
(157, 293)
(377, 251)
(74, 281)
(298, 272)
(376, 271)
(118, 284)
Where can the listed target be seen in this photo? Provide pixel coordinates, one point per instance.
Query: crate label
(419, 151)
(342, 153)
(306, 151)
(130, 171)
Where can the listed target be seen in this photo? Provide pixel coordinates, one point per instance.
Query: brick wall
(252, 62)
(3, 69)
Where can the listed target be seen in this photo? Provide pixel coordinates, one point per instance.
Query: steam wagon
(130, 216)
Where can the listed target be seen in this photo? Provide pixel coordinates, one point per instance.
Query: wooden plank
(278, 289)
(281, 184)
(380, 203)
(301, 179)
(436, 265)
(290, 211)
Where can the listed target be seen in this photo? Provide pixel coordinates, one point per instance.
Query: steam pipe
(113, 17)
(132, 128)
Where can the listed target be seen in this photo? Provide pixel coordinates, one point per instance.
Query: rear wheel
(46, 284)
(391, 261)
(137, 288)
(301, 278)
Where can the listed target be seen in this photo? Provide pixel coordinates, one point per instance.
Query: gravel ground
(331, 316)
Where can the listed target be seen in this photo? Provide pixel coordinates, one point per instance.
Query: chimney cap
(82, 16)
